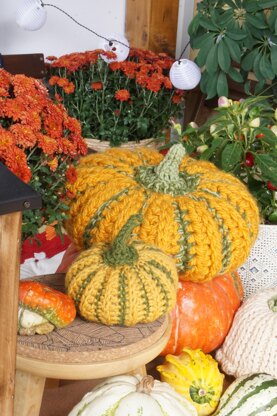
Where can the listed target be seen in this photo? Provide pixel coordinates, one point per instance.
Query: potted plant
(40, 143)
(233, 40)
(241, 138)
(116, 102)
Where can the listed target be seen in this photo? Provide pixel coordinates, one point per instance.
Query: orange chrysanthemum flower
(24, 135)
(96, 85)
(122, 95)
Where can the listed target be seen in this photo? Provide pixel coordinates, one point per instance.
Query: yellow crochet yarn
(123, 284)
(205, 218)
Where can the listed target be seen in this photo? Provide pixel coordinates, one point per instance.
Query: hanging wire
(183, 51)
(83, 26)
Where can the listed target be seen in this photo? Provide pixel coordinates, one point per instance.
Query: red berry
(260, 136)
(249, 160)
(271, 186)
(164, 151)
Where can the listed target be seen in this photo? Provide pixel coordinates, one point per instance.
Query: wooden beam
(152, 24)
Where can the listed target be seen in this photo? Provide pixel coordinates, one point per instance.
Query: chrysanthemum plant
(241, 138)
(116, 101)
(40, 143)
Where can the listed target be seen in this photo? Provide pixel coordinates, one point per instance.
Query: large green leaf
(267, 4)
(259, 87)
(203, 52)
(272, 20)
(234, 48)
(222, 85)
(211, 86)
(273, 55)
(256, 21)
(235, 75)
(212, 61)
(194, 24)
(208, 24)
(197, 41)
(256, 67)
(223, 56)
(237, 35)
(248, 60)
(231, 156)
(268, 167)
(265, 68)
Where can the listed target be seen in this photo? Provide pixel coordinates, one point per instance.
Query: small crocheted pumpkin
(205, 218)
(251, 344)
(121, 284)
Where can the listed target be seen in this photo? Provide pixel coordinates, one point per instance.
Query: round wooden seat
(82, 350)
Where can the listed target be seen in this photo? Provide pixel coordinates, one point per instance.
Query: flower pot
(102, 145)
(260, 269)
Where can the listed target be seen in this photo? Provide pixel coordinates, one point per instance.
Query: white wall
(60, 35)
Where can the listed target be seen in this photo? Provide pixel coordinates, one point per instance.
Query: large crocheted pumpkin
(205, 218)
(123, 284)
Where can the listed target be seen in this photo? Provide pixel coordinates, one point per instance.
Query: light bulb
(31, 15)
(185, 74)
(118, 44)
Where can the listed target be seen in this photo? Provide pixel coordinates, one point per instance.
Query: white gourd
(133, 396)
(251, 344)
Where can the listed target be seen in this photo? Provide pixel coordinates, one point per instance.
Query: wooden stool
(82, 351)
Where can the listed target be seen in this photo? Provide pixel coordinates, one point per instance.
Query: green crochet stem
(120, 252)
(272, 303)
(166, 177)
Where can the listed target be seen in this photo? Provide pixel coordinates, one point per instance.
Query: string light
(31, 15)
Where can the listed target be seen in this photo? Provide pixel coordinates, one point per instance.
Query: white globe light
(115, 43)
(185, 74)
(31, 15)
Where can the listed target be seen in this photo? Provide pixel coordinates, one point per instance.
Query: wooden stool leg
(140, 370)
(28, 394)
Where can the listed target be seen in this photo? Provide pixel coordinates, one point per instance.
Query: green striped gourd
(253, 395)
(123, 284)
(133, 396)
(205, 218)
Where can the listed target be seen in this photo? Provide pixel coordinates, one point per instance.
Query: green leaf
(256, 21)
(203, 52)
(256, 67)
(231, 156)
(211, 86)
(208, 24)
(247, 87)
(267, 4)
(209, 152)
(224, 58)
(236, 35)
(199, 41)
(194, 24)
(222, 85)
(273, 56)
(235, 75)
(248, 60)
(265, 68)
(268, 167)
(234, 49)
(212, 62)
(272, 20)
(259, 87)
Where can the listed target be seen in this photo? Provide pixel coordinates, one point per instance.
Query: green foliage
(241, 138)
(118, 101)
(234, 38)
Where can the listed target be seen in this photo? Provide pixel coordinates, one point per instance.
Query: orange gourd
(203, 313)
(53, 306)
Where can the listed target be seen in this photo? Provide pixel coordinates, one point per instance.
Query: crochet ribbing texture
(205, 218)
